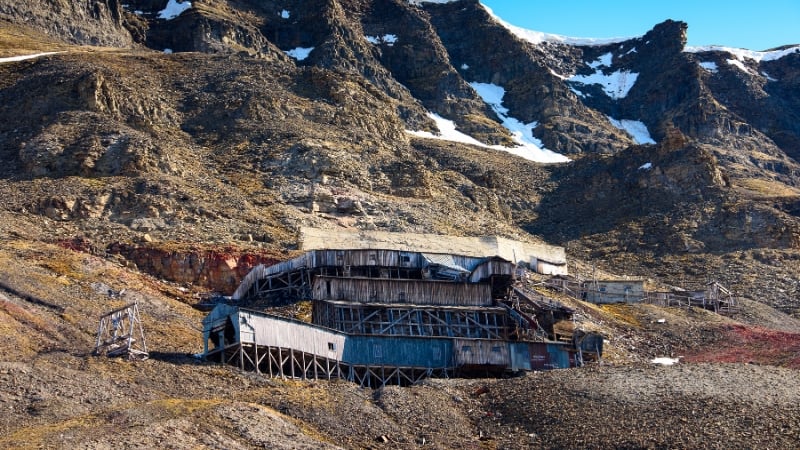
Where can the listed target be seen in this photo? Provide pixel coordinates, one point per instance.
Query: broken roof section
(447, 266)
(510, 250)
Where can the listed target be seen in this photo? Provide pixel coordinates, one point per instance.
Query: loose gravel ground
(646, 406)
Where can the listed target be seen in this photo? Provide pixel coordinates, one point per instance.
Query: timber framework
(381, 316)
(120, 333)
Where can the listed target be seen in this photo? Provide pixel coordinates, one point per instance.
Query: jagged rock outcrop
(485, 52)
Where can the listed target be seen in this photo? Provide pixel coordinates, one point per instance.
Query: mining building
(382, 315)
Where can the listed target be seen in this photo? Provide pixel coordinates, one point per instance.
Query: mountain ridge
(322, 140)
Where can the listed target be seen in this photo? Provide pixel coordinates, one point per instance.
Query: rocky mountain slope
(168, 147)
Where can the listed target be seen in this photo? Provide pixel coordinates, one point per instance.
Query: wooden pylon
(120, 333)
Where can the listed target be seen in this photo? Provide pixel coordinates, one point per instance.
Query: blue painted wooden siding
(398, 351)
(520, 356)
(559, 356)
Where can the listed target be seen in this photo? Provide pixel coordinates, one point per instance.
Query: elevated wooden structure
(713, 297)
(293, 278)
(382, 316)
(286, 348)
(120, 333)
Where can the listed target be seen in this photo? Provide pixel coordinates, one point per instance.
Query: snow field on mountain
(635, 128)
(174, 9)
(528, 147)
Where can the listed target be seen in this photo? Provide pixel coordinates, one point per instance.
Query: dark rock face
(763, 95)
(485, 52)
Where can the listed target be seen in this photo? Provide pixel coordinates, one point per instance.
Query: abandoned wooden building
(615, 291)
(624, 290)
(384, 316)
(712, 296)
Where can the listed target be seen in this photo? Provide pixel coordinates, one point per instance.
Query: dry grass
(762, 188)
(15, 336)
(18, 40)
(306, 394)
(183, 407)
(43, 436)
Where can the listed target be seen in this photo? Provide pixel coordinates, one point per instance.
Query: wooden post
(280, 362)
(269, 360)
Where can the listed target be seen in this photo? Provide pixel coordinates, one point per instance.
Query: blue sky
(754, 25)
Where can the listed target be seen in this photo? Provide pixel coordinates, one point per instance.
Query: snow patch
(603, 60)
(464, 66)
(766, 75)
(664, 361)
(388, 39)
(557, 75)
(742, 54)
(168, 51)
(448, 132)
(300, 53)
(577, 92)
(648, 166)
(521, 133)
(285, 14)
(174, 9)
(709, 66)
(635, 128)
(633, 50)
(537, 37)
(24, 57)
(739, 64)
(616, 84)
(420, 2)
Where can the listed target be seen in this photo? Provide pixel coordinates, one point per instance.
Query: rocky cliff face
(239, 121)
(83, 22)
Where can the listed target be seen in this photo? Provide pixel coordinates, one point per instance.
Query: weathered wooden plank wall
(474, 352)
(280, 332)
(389, 291)
(491, 267)
(399, 351)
